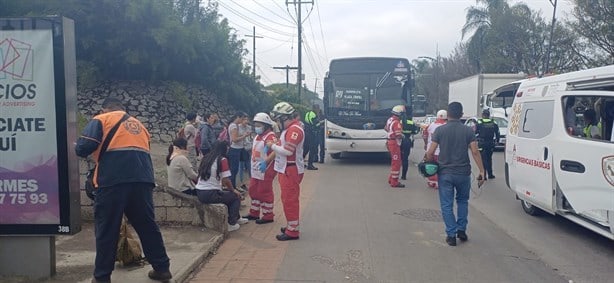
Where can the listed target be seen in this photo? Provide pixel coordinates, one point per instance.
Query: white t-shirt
(213, 183)
(234, 127)
(431, 130)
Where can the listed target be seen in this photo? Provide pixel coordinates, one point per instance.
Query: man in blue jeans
(454, 173)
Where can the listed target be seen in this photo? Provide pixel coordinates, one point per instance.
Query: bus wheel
(335, 155)
(530, 209)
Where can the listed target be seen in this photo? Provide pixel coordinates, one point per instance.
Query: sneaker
(160, 276)
(264, 221)
(462, 235)
(233, 227)
(250, 217)
(451, 241)
(242, 221)
(399, 185)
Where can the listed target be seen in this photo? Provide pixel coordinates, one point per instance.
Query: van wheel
(530, 209)
(335, 155)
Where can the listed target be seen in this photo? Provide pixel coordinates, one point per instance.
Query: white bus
(359, 94)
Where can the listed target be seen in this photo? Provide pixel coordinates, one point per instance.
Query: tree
(595, 23)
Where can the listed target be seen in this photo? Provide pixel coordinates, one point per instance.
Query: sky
(351, 28)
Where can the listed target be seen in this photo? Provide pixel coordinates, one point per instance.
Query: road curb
(185, 272)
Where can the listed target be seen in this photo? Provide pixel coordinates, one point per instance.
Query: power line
(266, 27)
(234, 24)
(311, 59)
(321, 31)
(315, 43)
(273, 48)
(262, 17)
(273, 12)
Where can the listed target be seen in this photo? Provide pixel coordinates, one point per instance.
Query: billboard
(38, 171)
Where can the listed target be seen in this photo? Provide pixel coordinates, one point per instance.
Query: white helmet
(442, 114)
(282, 108)
(398, 110)
(263, 118)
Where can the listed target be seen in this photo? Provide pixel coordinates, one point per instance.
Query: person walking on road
(262, 171)
(453, 140)
(394, 130)
(409, 130)
(124, 179)
(289, 165)
(442, 116)
(488, 135)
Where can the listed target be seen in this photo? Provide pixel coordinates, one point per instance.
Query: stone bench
(174, 207)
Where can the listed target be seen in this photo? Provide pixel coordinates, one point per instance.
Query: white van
(550, 163)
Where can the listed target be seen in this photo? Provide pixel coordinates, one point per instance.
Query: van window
(589, 117)
(536, 119)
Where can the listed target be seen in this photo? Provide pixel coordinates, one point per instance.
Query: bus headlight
(335, 133)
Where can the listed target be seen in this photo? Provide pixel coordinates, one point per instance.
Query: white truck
(473, 92)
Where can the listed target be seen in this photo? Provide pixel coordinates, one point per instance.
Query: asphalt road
(357, 229)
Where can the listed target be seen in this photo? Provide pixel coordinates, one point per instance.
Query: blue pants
(234, 157)
(448, 183)
(136, 201)
(230, 199)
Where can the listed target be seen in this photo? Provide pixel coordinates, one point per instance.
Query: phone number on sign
(23, 198)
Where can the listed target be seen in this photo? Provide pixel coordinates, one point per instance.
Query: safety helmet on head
(428, 168)
(442, 114)
(398, 110)
(280, 109)
(263, 118)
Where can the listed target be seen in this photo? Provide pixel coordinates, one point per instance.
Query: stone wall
(161, 107)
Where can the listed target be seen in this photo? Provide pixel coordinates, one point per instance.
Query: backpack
(224, 135)
(181, 133)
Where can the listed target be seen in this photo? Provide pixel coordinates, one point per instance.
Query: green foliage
(162, 40)
(179, 94)
(81, 122)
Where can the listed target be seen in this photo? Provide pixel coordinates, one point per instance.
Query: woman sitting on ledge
(214, 185)
(181, 175)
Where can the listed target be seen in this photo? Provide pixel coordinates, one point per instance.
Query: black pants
(405, 151)
(310, 147)
(321, 145)
(136, 201)
(486, 151)
(230, 199)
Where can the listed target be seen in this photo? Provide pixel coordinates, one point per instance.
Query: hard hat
(442, 114)
(428, 168)
(398, 110)
(282, 108)
(263, 118)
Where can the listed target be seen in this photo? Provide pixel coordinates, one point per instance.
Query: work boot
(311, 167)
(159, 276)
(462, 235)
(264, 221)
(403, 178)
(250, 217)
(451, 241)
(399, 185)
(491, 177)
(285, 237)
(94, 280)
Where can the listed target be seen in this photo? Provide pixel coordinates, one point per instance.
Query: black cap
(486, 112)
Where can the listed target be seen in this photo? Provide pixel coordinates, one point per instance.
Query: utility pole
(254, 50)
(546, 69)
(315, 91)
(299, 21)
(287, 68)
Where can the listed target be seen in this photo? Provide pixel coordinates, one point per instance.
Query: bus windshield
(366, 94)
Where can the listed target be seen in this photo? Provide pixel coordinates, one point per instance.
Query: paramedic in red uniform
(290, 166)
(394, 130)
(262, 171)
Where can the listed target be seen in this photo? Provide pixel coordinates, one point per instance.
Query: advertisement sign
(34, 163)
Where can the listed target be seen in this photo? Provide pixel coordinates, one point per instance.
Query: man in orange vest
(124, 179)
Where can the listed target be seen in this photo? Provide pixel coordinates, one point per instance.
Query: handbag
(90, 189)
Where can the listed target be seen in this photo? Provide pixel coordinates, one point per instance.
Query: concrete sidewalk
(187, 247)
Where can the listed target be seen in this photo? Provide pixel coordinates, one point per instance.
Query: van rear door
(584, 169)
